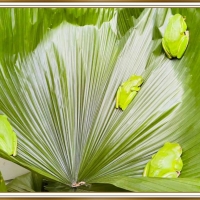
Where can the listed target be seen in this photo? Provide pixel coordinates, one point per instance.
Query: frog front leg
(183, 45)
(117, 97)
(135, 88)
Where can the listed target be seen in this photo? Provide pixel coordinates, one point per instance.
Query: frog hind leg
(171, 175)
(15, 146)
(117, 97)
(178, 164)
(146, 169)
(166, 49)
(129, 99)
(183, 45)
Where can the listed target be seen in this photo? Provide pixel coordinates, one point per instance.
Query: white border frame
(99, 4)
(99, 195)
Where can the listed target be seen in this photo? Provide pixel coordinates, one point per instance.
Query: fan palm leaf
(58, 80)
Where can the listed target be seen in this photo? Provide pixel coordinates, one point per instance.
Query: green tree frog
(176, 37)
(166, 163)
(127, 91)
(8, 138)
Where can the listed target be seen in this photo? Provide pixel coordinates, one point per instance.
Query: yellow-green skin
(176, 37)
(8, 139)
(166, 163)
(127, 91)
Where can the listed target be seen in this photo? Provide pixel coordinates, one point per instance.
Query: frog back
(6, 135)
(166, 162)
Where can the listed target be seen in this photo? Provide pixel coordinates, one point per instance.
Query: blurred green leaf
(146, 184)
(2, 184)
(30, 182)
